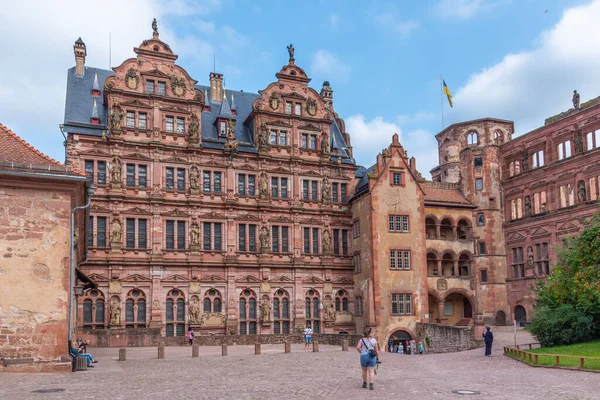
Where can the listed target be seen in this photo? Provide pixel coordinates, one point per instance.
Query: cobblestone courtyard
(330, 373)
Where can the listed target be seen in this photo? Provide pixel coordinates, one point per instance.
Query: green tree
(568, 303)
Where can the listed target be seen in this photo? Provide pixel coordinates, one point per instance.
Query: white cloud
(530, 86)
(327, 65)
(334, 21)
(369, 137)
(457, 9)
(418, 117)
(391, 23)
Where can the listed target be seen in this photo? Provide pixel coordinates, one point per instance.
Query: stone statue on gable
(576, 99)
(291, 50)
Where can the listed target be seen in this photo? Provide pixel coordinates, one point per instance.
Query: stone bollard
(315, 347)
(257, 349)
(288, 347)
(195, 350)
(161, 352)
(345, 345)
(122, 354)
(223, 349)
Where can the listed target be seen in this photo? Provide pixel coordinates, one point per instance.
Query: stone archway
(520, 314)
(500, 318)
(400, 337)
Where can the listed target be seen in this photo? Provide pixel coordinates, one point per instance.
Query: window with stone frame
(542, 260)
(342, 301)
(537, 159)
(248, 319)
(480, 219)
(593, 139)
(482, 248)
(169, 123)
(313, 142)
(478, 184)
(212, 301)
(175, 313)
(310, 240)
(136, 228)
(539, 202)
(90, 167)
(150, 86)
(516, 208)
(279, 187)
(273, 137)
(563, 150)
(170, 178)
(518, 262)
(402, 304)
(310, 190)
(340, 241)
(180, 127)
(162, 88)
(136, 175)
(99, 228)
(142, 120)
(175, 232)
(400, 259)
(130, 119)
(247, 238)
(514, 168)
(135, 309)
(93, 312)
(212, 236)
(356, 263)
(498, 137)
(298, 109)
(246, 185)
(398, 223)
(478, 161)
(484, 277)
(312, 312)
(280, 239)
(358, 306)
(472, 138)
(281, 312)
(288, 107)
(566, 195)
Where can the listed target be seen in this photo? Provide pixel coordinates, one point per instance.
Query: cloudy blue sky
(518, 60)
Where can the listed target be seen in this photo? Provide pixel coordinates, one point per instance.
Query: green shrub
(562, 326)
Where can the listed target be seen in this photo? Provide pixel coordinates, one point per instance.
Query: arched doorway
(398, 338)
(458, 309)
(500, 318)
(520, 314)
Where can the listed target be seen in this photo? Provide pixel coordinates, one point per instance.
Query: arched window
(313, 316)
(472, 138)
(135, 309)
(212, 301)
(432, 264)
(464, 229)
(248, 312)
(93, 309)
(464, 262)
(281, 312)
(341, 300)
(175, 313)
(431, 228)
(447, 265)
(498, 137)
(446, 229)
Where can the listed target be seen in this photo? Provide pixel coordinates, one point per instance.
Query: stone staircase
(464, 323)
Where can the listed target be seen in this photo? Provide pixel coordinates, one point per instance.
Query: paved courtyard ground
(329, 374)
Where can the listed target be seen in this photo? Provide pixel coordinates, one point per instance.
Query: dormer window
(149, 86)
(95, 93)
(162, 88)
(298, 109)
(222, 129)
(288, 107)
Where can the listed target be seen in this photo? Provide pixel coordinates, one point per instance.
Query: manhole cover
(466, 392)
(48, 391)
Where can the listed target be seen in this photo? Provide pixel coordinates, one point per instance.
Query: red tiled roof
(448, 196)
(18, 155)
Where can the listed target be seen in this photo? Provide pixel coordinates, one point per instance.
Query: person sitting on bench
(73, 352)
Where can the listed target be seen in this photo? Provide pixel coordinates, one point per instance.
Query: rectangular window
(478, 184)
(284, 188)
(222, 131)
(480, 219)
(275, 239)
(274, 187)
(273, 138)
(538, 159)
(401, 304)
(334, 192)
(162, 88)
(477, 161)
(217, 182)
(397, 178)
(130, 119)
(336, 241)
(252, 237)
(206, 181)
(298, 109)
(398, 223)
(89, 170)
(483, 276)
(358, 306)
(482, 250)
(180, 235)
(282, 138)
(130, 233)
(313, 142)
(251, 185)
(169, 124)
(101, 232)
(314, 191)
(306, 240)
(142, 120)
(218, 238)
(142, 233)
(169, 178)
(90, 232)
(356, 262)
(142, 176)
(170, 235)
(285, 247)
(130, 175)
(180, 179)
(564, 150)
(242, 184)
(149, 86)
(315, 238)
(180, 125)
(448, 308)
(305, 190)
(304, 140)
(288, 107)
(399, 259)
(345, 242)
(344, 193)
(207, 240)
(101, 172)
(242, 237)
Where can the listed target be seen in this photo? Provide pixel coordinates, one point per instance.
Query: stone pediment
(515, 237)
(137, 156)
(281, 219)
(279, 123)
(311, 173)
(311, 221)
(99, 209)
(248, 279)
(594, 166)
(279, 170)
(136, 211)
(540, 232)
(175, 110)
(567, 227)
(538, 184)
(211, 215)
(566, 175)
(247, 166)
(155, 72)
(212, 163)
(309, 127)
(176, 213)
(341, 223)
(136, 278)
(175, 160)
(136, 103)
(312, 280)
(95, 152)
(247, 217)
(343, 280)
(98, 278)
(282, 279)
(212, 278)
(293, 95)
(175, 278)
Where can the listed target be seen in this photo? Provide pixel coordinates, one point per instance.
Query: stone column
(438, 231)
(439, 268)
(223, 349)
(455, 268)
(454, 232)
(257, 349)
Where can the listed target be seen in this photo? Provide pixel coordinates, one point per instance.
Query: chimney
(216, 87)
(80, 53)
(326, 94)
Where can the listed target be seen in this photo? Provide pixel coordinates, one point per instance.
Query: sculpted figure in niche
(324, 145)
(194, 312)
(264, 238)
(115, 119)
(529, 257)
(115, 312)
(262, 136)
(329, 309)
(264, 185)
(115, 170)
(265, 310)
(194, 127)
(527, 205)
(194, 178)
(581, 192)
(576, 98)
(195, 235)
(115, 231)
(326, 240)
(326, 189)
(525, 162)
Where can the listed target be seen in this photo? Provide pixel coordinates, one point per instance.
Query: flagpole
(442, 98)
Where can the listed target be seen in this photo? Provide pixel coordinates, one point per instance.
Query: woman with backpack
(369, 352)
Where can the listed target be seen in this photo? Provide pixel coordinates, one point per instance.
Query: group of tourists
(81, 351)
(405, 347)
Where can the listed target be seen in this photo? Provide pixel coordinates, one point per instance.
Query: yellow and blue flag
(447, 93)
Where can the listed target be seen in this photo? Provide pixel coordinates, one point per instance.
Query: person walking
(488, 338)
(190, 335)
(307, 337)
(369, 353)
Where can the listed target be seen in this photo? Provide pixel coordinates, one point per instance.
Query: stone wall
(446, 339)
